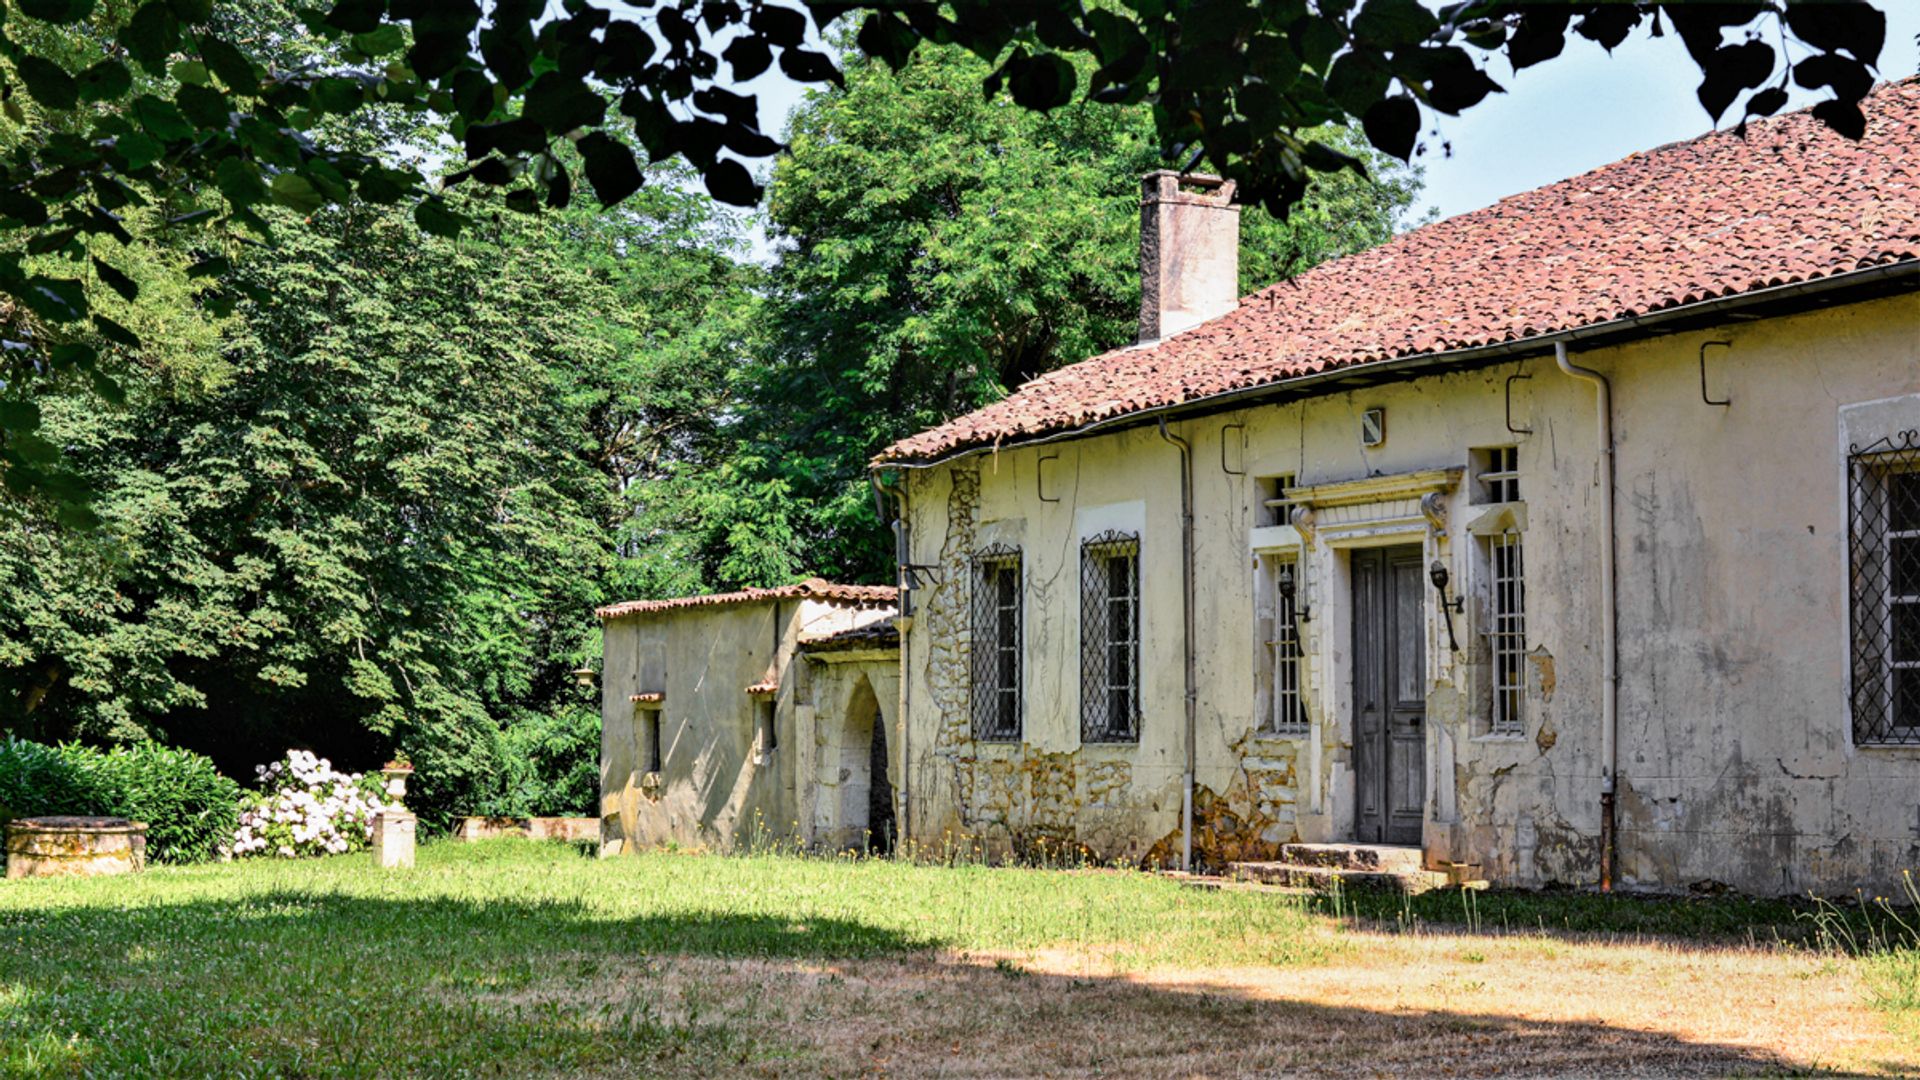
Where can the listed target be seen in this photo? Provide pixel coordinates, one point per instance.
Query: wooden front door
(1389, 695)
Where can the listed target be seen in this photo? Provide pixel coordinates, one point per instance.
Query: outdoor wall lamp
(1438, 572)
(1302, 613)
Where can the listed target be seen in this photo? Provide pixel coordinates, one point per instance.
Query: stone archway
(866, 789)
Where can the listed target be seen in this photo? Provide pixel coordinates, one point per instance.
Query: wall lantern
(1302, 613)
(1438, 572)
(583, 676)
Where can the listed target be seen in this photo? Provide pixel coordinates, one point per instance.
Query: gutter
(1186, 638)
(1609, 613)
(1632, 326)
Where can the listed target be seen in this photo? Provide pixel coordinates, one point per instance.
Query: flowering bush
(306, 808)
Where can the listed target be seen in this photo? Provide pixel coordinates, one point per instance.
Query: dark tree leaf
(523, 200)
(1609, 24)
(239, 180)
(381, 40)
(473, 95)
(805, 65)
(730, 182)
(116, 333)
(1767, 102)
(748, 56)
(886, 37)
(48, 243)
(191, 12)
(511, 138)
(1355, 82)
(1853, 27)
(151, 36)
(1393, 125)
(335, 94)
(47, 81)
(117, 281)
(161, 119)
(204, 106)
(559, 187)
(1458, 83)
(1731, 69)
(1541, 36)
(1849, 79)
(217, 265)
(297, 193)
(560, 103)
(780, 26)
(436, 218)
(138, 149)
(609, 167)
(378, 186)
(1394, 22)
(230, 65)
(107, 80)
(1842, 116)
(56, 11)
(1045, 81)
(357, 16)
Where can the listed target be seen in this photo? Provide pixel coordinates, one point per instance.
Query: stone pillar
(393, 833)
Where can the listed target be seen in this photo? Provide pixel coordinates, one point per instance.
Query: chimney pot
(1189, 252)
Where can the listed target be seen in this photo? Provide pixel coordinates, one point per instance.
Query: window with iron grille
(1884, 530)
(1110, 638)
(1288, 714)
(1507, 632)
(996, 644)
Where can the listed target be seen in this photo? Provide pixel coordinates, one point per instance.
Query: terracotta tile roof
(763, 688)
(861, 596)
(650, 697)
(1692, 221)
(879, 634)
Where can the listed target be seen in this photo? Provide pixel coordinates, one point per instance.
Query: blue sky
(1581, 110)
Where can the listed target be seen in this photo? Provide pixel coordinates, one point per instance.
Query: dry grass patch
(1388, 1005)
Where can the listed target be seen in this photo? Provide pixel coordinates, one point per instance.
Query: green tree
(384, 517)
(933, 250)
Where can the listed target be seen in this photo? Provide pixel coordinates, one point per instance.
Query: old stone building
(1573, 539)
(746, 718)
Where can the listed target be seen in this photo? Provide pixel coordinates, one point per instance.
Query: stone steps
(1323, 867)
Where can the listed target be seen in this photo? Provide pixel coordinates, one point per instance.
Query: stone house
(1574, 539)
(748, 718)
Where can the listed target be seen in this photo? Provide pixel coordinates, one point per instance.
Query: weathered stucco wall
(1736, 762)
(718, 784)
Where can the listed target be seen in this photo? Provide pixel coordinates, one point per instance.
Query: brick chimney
(1189, 252)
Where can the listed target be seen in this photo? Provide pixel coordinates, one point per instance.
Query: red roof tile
(1692, 221)
(860, 596)
(879, 634)
(764, 688)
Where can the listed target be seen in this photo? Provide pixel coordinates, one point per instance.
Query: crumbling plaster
(1736, 763)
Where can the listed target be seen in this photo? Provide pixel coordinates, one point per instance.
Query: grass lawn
(513, 958)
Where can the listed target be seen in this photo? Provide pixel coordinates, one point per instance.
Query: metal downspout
(1186, 643)
(1609, 614)
(903, 581)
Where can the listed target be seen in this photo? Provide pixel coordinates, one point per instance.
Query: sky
(1578, 111)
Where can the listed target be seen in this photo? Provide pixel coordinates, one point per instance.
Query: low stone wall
(75, 847)
(539, 828)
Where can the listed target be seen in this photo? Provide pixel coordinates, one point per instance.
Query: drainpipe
(903, 580)
(1609, 614)
(1186, 641)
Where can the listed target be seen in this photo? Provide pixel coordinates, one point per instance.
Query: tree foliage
(205, 113)
(935, 249)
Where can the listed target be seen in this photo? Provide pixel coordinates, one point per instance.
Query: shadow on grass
(315, 983)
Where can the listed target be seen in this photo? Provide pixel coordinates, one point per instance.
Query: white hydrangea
(306, 807)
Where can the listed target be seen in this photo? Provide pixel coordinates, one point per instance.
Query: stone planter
(75, 847)
(396, 781)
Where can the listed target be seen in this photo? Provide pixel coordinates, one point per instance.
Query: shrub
(188, 807)
(549, 765)
(307, 808)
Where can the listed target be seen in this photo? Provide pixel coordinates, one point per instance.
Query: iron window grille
(1884, 536)
(996, 643)
(1288, 715)
(1110, 638)
(1507, 633)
